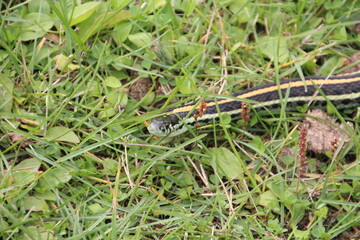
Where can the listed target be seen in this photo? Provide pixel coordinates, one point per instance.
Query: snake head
(168, 125)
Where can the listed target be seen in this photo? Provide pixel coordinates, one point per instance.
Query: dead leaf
(14, 137)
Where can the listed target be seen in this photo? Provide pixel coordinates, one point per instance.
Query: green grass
(78, 163)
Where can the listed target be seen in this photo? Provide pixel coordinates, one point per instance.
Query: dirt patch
(351, 60)
(323, 133)
(140, 88)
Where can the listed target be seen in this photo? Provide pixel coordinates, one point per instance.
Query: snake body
(343, 91)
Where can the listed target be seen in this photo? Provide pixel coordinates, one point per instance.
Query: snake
(343, 91)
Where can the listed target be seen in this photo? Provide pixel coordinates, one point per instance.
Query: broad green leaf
(148, 99)
(113, 18)
(141, 39)
(274, 46)
(322, 212)
(83, 12)
(6, 93)
(45, 194)
(35, 204)
(117, 5)
(54, 178)
(283, 192)
(297, 212)
(290, 200)
(152, 5)
(185, 179)
(95, 89)
(352, 170)
(298, 234)
(112, 82)
(227, 163)
(35, 25)
(225, 120)
(25, 171)
(330, 65)
(120, 63)
(100, 21)
(288, 197)
(45, 53)
(167, 44)
(186, 84)
(269, 200)
(181, 46)
(39, 6)
(320, 233)
(331, 109)
(146, 64)
(3, 55)
(333, 4)
(340, 33)
(96, 208)
(110, 166)
(117, 97)
(276, 226)
(107, 113)
(62, 62)
(189, 6)
(121, 32)
(11, 33)
(39, 231)
(242, 10)
(62, 134)
(100, 50)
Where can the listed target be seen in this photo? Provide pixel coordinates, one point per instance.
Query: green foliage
(61, 134)
(6, 93)
(227, 163)
(80, 79)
